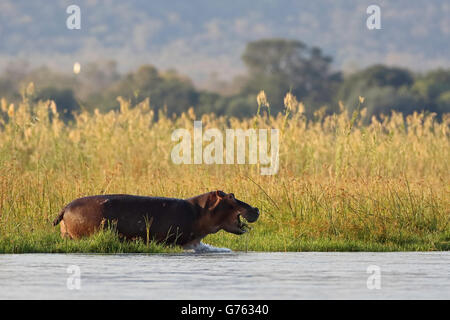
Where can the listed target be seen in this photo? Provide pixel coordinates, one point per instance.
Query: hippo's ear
(220, 194)
(214, 199)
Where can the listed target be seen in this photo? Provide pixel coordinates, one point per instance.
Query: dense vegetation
(274, 65)
(347, 181)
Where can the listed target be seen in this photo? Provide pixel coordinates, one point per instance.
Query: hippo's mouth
(243, 226)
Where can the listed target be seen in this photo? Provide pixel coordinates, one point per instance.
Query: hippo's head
(229, 212)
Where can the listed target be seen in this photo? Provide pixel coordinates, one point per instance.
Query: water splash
(205, 248)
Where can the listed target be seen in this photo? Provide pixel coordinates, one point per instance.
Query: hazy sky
(201, 37)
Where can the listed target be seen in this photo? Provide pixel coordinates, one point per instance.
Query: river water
(234, 275)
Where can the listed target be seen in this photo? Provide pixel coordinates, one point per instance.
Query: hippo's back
(162, 219)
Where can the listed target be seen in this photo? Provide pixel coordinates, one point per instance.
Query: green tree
(165, 90)
(65, 100)
(279, 65)
(384, 88)
(434, 90)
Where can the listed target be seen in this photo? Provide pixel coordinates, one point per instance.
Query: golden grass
(342, 185)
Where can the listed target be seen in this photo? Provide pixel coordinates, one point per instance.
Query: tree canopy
(276, 66)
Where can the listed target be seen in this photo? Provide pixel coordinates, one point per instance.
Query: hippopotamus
(181, 222)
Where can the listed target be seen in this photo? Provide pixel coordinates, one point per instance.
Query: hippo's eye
(232, 196)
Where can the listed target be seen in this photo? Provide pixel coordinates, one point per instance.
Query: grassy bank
(342, 185)
(102, 242)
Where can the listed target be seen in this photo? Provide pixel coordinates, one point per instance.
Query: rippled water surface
(227, 276)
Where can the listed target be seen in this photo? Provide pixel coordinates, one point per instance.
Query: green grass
(257, 241)
(102, 242)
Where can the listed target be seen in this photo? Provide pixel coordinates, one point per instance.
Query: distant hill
(204, 39)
